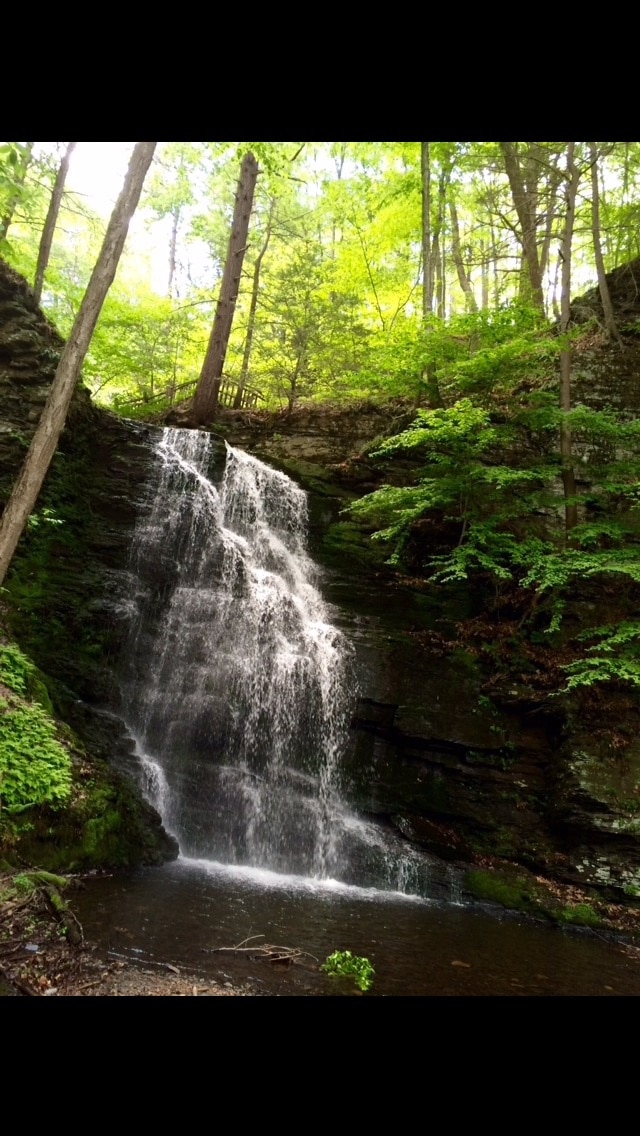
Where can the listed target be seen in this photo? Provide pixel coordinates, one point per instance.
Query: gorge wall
(474, 771)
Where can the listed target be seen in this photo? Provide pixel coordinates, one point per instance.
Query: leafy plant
(344, 964)
(615, 657)
(16, 670)
(35, 768)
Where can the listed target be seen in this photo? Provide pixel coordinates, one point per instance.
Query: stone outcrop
(65, 590)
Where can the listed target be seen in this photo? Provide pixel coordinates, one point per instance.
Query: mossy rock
(517, 890)
(579, 915)
(106, 825)
(509, 890)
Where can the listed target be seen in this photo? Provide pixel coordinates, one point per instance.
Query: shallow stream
(182, 913)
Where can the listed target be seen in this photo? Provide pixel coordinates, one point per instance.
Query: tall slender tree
(51, 424)
(253, 307)
(46, 239)
(205, 401)
(605, 296)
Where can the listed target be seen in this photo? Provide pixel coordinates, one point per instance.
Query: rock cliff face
(65, 599)
(465, 775)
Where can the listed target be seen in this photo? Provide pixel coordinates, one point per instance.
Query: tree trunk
(438, 254)
(484, 277)
(429, 378)
(46, 239)
(553, 183)
(566, 452)
(442, 288)
(205, 400)
(605, 295)
(463, 276)
(427, 263)
(17, 190)
(293, 382)
(173, 243)
(525, 203)
(253, 307)
(51, 424)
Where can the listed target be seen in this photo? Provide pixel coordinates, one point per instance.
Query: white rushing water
(238, 689)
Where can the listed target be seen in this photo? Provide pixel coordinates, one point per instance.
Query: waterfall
(237, 688)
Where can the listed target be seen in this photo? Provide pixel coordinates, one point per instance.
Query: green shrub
(343, 964)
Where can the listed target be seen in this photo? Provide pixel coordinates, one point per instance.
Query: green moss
(494, 887)
(99, 831)
(518, 891)
(580, 914)
(104, 824)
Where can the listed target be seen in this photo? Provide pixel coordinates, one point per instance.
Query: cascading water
(237, 687)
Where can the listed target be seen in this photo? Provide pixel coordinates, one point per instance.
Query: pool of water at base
(182, 913)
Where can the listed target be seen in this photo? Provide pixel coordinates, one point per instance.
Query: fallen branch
(269, 951)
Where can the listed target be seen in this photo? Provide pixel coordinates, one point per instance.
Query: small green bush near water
(346, 965)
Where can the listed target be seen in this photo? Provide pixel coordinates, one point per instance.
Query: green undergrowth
(474, 495)
(35, 765)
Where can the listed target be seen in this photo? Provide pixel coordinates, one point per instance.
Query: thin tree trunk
(17, 189)
(555, 179)
(496, 268)
(437, 272)
(437, 244)
(173, 242)
(463, 275)
(46, 239)
(51, 424)
(253, 307)
(293, 382)
(442, 290)
(427, 263)
(484, 277)
(566, 451)
(205, 400)
(605, 295)
(554, 292)
(429, 378)
(339, 159)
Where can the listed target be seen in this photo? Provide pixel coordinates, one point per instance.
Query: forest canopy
(369, 265)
